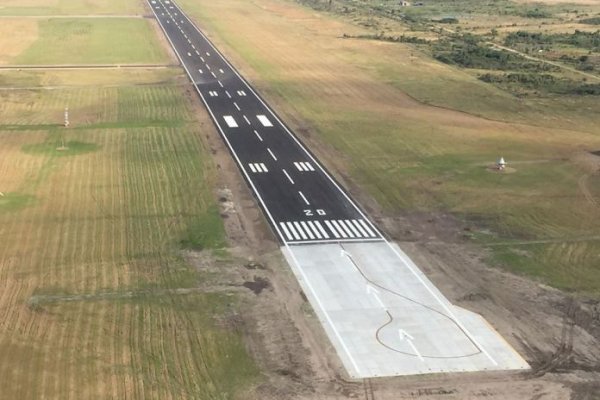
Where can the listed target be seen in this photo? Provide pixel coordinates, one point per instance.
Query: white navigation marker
(264, 120)
(230, 121)
(304, 198)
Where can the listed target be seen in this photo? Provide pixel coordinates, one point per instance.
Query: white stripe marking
(318, 224)
(258, 136)
(332, 229)
(362, 222)
(252, 167)
(298, 166)
(193, 47)
(221, 70)
(227, 93)
(208, 67)
(285, 229)
(352, 228)
(200, 71)
(230, 121)
(208, 54)
(348, 231)
(247, 120)
(189, 54)
(307, 229)
(213, 74)
(297, 225)
(271, 153)
(264, 120)
(315, 230)
(293, 230)
(264, 167)
(289, 178)
(339, 228)
(309, 166)
(360, 228)
(220, 83)
(304, 198)
(236, 106)
(202, 59)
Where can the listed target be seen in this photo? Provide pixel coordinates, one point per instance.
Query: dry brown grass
(13, 44)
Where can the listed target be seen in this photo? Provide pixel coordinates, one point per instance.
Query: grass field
(413, 156)
(101, 223)
(70, 7)
(91, 41)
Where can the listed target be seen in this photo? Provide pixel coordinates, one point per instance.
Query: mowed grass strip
(412, 156)
(93, 41)
(105, 207)
(70, 7)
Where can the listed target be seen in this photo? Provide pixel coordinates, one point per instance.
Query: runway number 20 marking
(309, 213)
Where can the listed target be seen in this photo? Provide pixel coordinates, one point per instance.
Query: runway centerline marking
(288, 176)
(258, 136)
(304, 198)
(271, 153)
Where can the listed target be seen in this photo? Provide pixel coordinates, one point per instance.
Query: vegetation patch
(60, 148)
(470, 51)
(15, 201)
(523, 83)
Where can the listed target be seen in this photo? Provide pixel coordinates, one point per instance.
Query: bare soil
(558, 334)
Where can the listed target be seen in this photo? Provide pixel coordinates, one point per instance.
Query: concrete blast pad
(385, 318)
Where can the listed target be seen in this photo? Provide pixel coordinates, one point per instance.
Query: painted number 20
(310, 213)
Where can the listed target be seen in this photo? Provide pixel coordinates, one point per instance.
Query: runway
(302, 202)
(381, 313)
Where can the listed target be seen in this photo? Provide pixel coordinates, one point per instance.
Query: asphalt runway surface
(302, 202)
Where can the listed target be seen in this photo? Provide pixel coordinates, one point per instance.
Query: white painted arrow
(405, 336)
(373, 292)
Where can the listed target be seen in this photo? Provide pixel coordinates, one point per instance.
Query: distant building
(404, 3)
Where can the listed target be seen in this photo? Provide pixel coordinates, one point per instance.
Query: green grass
(11, 202)
(94, 41)
(107, 225)
(60, 148)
